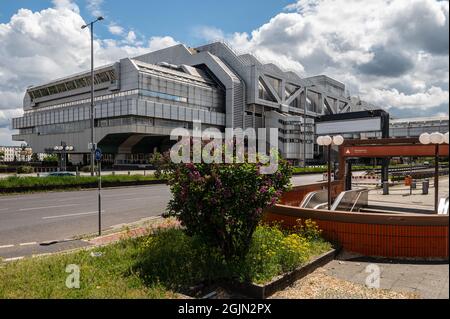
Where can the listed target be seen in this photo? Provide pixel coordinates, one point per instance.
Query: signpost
(98, 158)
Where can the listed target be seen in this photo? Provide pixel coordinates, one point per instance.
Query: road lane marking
(28, 244)
(137, 198)
(13, 259)
(71, 215)
(3, 209)
(46, 207)
(6, 246)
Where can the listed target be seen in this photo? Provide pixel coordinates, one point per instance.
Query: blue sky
(392, 54)
(177, 18)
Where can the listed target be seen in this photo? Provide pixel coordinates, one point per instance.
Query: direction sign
(98, 154)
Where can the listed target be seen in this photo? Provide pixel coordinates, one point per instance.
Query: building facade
(138, 101)
(414, 127)
(15, 154)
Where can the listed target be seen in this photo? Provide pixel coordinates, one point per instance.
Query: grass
(18, 182)
(157, 266)
(106, 276)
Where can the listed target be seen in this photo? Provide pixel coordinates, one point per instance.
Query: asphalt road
(28, 220)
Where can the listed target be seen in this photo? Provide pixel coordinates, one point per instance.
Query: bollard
(413, 184)
(385, 188)
(129, 173)
(113, 173)
(425, 187)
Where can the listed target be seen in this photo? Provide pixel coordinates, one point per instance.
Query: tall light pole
(328, 141)
(436, 139)
(91, 25)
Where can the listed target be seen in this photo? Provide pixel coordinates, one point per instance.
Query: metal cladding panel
(166, 111)
(350, 126)
(150, 109)
(173, 112)
(158, 110)
(182, 114)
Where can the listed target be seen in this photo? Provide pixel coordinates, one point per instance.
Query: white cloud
(209, 33)
(115, 29)
(394, 53)
(157, 43)
(37, 47)
(94, 6)
(389, 98)
(131, 37)
(66, 4)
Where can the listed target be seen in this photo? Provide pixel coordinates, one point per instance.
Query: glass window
(71, 85)
(44, 92)
(61, 87)
(264, 92)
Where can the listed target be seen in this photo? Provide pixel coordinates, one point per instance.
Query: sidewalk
(399, 196)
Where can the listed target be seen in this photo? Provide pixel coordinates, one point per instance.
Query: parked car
(60, 174)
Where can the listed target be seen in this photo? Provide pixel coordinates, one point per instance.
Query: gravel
(319, 285)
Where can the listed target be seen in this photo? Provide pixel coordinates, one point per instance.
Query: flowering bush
(223, 203)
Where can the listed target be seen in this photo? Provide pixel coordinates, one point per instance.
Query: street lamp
(92, 145)
(328, 141)
(62, 150)
(435, 138)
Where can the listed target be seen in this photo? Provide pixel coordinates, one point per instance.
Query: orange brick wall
(384, 240)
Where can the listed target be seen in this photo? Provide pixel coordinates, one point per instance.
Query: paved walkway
(429, 280)
(399, 196)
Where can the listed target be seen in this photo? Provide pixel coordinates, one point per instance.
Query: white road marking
(3, 209)
(71, 215)
(14, 259)
(28, 244)
(137, 198)
(6, 246)
(46, 207)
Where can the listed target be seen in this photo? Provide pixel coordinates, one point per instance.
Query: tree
(35, 157)
(51, 158)
(2, 155)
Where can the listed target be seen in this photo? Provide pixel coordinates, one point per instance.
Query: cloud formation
(391, 53)
(40, 46)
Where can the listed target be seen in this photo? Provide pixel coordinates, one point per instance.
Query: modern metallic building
(414, 127)
(138, 101)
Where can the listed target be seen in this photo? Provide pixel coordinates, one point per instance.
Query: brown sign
(394, 150)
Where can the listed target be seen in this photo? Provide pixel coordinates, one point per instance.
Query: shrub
(51, 159)
(25, 170)
(223, 203)
(161, 164)
(172, 258)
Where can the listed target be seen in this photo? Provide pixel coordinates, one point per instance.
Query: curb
(18, 190)
(264, 291)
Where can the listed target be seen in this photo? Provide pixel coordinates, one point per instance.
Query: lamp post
(328, 141)
(436, 139)
(92, 146)
(63, 149)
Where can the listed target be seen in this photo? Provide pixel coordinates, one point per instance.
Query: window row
(99, 78)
